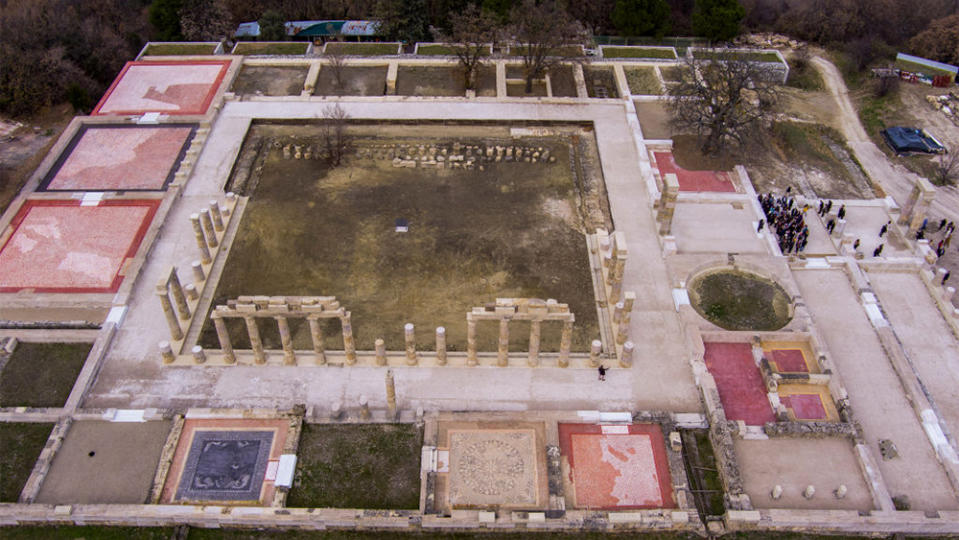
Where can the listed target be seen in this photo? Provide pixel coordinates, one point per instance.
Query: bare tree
(472, 31)
(337, 141)
(543, 33)
(724, 100)
(335, 65)
(947, 170)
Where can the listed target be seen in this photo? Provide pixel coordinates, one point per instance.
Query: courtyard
(744, 388)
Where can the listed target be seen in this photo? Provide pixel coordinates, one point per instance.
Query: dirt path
(896, 181)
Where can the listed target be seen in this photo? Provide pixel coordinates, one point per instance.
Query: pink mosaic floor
(805, 406)
(617, 466)
(740, 384)
(165, 87)
(121, 158)
(694, 180)
(789, 361)
(60, 246)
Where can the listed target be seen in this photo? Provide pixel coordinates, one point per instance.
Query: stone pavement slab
(874, 390)
(716, 228)
(928, 340)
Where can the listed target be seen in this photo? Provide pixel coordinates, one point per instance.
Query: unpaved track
(896, 181)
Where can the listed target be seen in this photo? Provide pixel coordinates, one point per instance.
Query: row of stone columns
(286, 340)
(207, 223)
(502, 351)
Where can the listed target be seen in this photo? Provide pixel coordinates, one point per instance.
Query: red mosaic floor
(60, 246)
(165, 87)
(789, 361)
(805, 406)
(694, 180)
(617, 467)
(121, 158)
(741, 388)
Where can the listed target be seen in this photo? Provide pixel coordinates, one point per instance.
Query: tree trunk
(470, 77)
(529, 84)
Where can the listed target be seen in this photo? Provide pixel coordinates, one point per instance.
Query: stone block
(675, 441)
(679, 517)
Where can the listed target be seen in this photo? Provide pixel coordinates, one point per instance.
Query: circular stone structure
(737, 300)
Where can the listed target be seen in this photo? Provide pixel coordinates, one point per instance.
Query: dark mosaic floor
(225, 466)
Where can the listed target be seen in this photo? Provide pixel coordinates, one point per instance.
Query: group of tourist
(786, 220)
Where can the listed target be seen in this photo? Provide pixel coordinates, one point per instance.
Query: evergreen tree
(718, 20)
(641, 17)
(165, 18)
(272, 26)
(403, 20)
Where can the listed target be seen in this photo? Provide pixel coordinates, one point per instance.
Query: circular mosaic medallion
(491, 467)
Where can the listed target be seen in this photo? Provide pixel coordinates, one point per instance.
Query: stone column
(470, 341)
(179, 298)
(502, 352)
(259, 355)
(216, 216)
(667, 203)
(411, 358)
(380, 347)
(166, 352)
(199, 276)
(618, 311)
(629, 298)
(200, 239)
(595, 348)
(208, 228)
(199, 357)
(349, 347)
(230, 203)
(616, 273)
(191, 292)
(534, 332)
(223, 335)
(565, 343)
(622, 332)
(364, 408)
(289, 358)
(176, 333)
(440, 346)
(319, 348)
(390, 395)
(626, 358)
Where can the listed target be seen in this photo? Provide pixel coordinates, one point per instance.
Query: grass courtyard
(41, 374)
(512, 230)
(20, 446)
(358, 466)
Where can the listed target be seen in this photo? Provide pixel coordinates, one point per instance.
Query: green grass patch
(271, 48)
(179, 49)
(41, 374)
(757, 56)
(737, 300)
(20, 446)
(804, 76)
(358, 466)
(363, 49)
(638, 52)
(643, 81)
(569, 51)
(443, 50)
(913, 67)
(673, 74)
(98, 532)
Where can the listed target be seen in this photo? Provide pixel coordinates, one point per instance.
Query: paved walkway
(660, 378)
(874, 390)
(927, 339)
